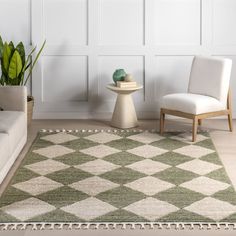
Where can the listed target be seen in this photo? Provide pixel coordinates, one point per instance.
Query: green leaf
(35, 61)
(12, 47)
(1, 47)
(6, 55)
(21, 49)
(15, 66)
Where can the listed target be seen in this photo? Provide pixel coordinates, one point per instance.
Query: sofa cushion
(13, 123)
(191, 103)
(4, 149)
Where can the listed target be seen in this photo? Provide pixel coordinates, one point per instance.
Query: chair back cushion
(210, 76)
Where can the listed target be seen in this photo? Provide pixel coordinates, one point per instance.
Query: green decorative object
(119, 75)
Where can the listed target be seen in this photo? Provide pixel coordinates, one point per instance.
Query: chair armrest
(13, 98)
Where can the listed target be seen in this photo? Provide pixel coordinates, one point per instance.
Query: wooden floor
(224, 141)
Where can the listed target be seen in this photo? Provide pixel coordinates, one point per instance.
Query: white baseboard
(101, 115)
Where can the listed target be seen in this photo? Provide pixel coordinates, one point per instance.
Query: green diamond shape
(32, 158)
(175, 175)
(121, 196)
(123, 158)
(231, 218)
(180, 197)
(62, 196)
(124, 144)
(207, 143)
(40, 143)
(184, 216)
(80, 144)
(219, 175)
(75, 158)
(128, 133)
(120, 216)
(172, 158)
(12, 195)
(227, 195)
(23, 174)
(171, 134)
(68, 176)
(122, 175)
(212, 157)
(56, 216)
(168, 144)
(6, 218)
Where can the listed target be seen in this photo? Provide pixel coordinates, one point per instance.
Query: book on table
(123, 84)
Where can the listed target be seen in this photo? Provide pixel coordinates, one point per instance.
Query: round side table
(124, 115)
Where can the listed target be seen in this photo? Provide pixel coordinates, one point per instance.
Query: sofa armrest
(13, 98)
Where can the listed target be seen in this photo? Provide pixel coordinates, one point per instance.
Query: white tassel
(142, 226)
(168, 226)
(209, 227)
(226, 226)
(201, 226)
(123, 226)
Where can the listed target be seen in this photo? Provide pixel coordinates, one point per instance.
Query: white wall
(87, 40)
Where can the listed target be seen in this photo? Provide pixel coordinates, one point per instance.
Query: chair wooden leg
(230, 120)
(194, 131)
(229, 107)
(162, 122)
(199, 122)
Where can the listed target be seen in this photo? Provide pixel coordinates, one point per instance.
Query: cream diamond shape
(146, 137)
(59, 138)
(151, 208)
(94, 185)
(187, 137)
(97, 167)
(89, 208)
(205, 185)
(29, 208)
(103, 137)
(148, 166)
(149, 185)
(212, 208)
(199, 167)
(53, 151)
(37, 185)
(46, 167)
(193, 151)
(147, 151)
(100, 151)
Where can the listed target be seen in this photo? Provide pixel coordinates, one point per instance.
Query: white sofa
(13, 125)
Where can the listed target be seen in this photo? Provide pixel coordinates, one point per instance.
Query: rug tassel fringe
(112, 226)
(109, 130)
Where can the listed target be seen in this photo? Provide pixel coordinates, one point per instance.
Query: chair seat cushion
(191, 103)
(14, 124)
(4, 149)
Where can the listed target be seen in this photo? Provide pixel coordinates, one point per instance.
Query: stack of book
(123, 84)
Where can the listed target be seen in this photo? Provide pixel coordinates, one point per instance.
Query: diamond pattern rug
(126, 177)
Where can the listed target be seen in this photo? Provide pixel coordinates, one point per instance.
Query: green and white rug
(90, 179)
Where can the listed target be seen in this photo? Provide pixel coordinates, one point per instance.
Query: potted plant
(17, 68)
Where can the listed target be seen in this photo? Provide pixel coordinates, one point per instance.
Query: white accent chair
(208, 94)
(13, 125)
